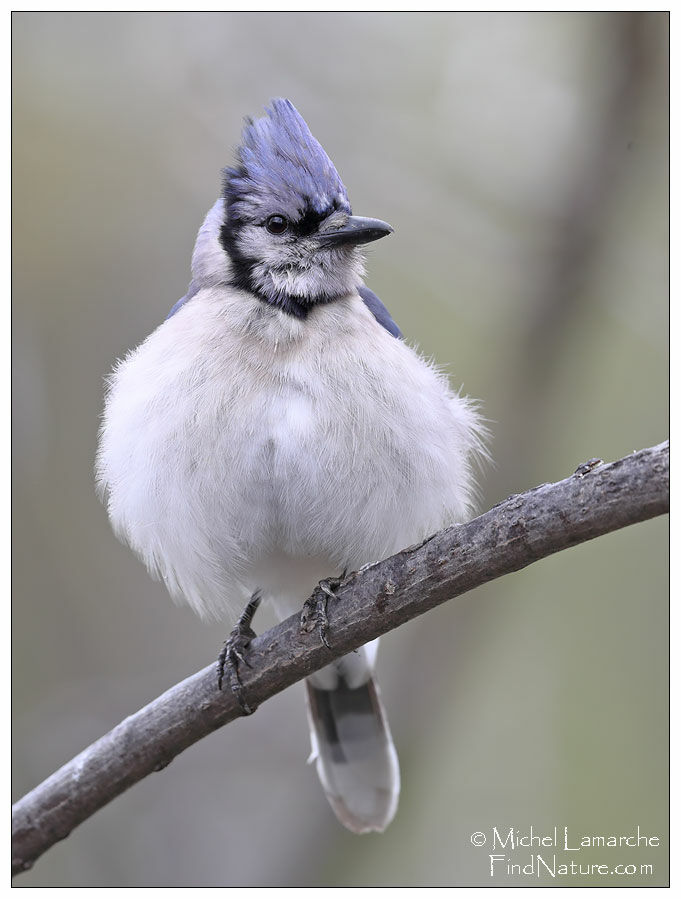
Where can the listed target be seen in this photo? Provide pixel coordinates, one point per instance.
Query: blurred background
(523, 162)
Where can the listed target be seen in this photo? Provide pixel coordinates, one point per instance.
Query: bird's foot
(314, 610)
(234, 651)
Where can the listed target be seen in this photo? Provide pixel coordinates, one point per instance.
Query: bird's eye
(276, 224)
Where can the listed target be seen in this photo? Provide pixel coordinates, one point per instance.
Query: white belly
(232, 460)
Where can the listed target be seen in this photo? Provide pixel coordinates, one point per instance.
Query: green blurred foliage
(523, 161)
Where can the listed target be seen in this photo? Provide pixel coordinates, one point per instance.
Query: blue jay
(276, 430)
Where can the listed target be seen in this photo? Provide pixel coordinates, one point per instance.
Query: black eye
(276, 224)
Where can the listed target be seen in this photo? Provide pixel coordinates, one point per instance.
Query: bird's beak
(356, 230)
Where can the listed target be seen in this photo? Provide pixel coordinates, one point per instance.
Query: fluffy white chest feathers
(236, 435)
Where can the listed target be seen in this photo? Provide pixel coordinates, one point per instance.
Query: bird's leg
(234, 651)
(314, 610)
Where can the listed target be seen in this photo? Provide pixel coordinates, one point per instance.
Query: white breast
(238, 441)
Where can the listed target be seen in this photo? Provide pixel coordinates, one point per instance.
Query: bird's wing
(192, 290)
(378, 310)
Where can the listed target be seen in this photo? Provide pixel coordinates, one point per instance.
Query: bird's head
(288, 227)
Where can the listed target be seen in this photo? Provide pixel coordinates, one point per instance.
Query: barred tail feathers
(354, 752)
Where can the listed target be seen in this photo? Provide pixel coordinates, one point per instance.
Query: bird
(277, 431)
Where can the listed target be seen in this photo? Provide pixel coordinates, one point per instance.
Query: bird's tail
(351, 743)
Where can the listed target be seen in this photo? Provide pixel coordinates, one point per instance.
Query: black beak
(356, 230)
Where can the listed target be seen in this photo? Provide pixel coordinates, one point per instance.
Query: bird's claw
(314, 613)
(234, 652)
(314, 610)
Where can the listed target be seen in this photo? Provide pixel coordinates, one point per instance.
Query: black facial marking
(243, 266)
(242, 278)
(310, 220)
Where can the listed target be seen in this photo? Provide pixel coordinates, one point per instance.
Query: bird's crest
(282, 168)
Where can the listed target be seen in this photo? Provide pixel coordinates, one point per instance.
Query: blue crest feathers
(281, 168)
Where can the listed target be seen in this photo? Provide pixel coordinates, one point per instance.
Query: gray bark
(513, 534)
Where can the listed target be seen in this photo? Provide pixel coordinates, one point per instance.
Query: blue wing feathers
(378, 310)
(192, 290)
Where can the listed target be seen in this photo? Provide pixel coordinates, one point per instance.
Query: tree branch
(513, 534)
